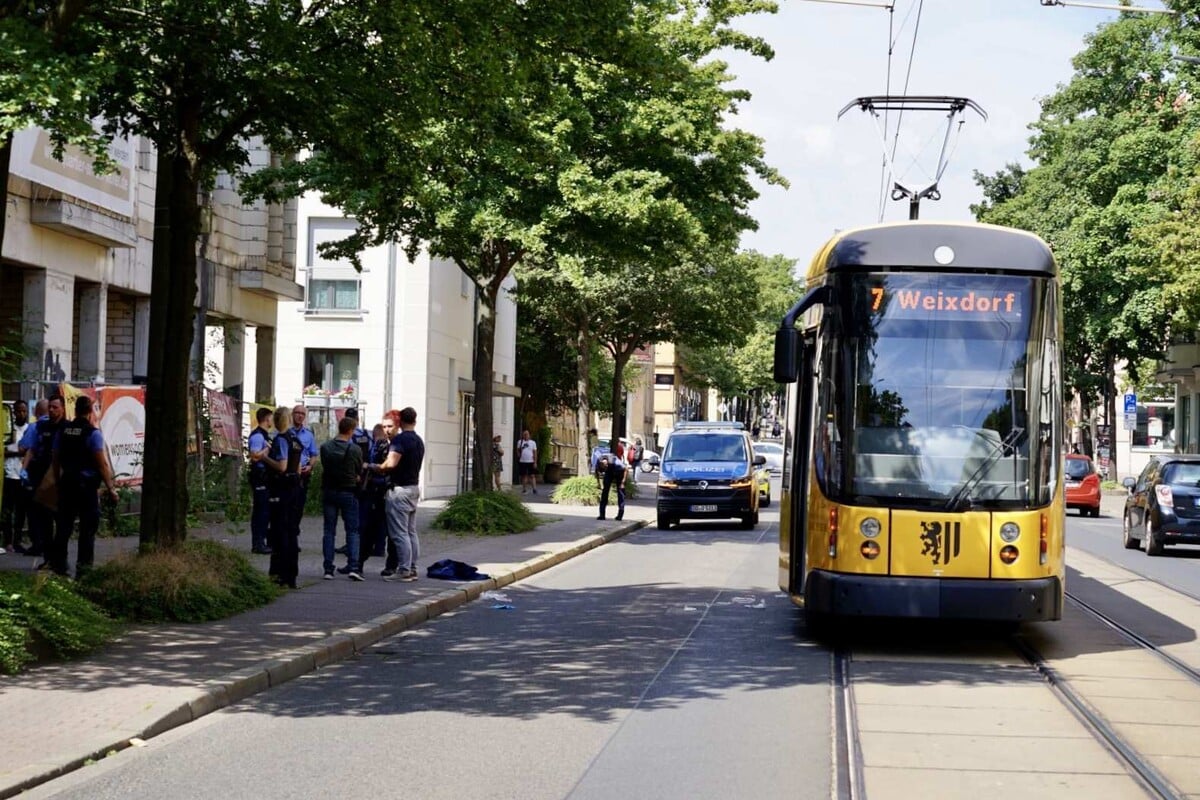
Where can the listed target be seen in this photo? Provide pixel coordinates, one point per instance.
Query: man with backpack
(80, 463)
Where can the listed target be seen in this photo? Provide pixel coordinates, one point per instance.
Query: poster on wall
(226, 429)
(120, 414)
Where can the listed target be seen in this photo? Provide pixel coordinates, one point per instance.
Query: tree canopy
(1112, 190)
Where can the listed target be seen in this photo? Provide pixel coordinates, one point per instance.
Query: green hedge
(43, 614)
(195, 582)
(485, 512)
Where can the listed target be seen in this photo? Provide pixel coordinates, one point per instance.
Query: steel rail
(1150, 779)
(849, 782)
(1136, 638)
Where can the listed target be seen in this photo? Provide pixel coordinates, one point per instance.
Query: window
(1155, 426)
(334, 287)
(332, 370)
(333, 295)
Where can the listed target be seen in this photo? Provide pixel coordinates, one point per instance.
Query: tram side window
(827, 456)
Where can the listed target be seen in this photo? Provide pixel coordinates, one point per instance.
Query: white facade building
(75, 267)
(400, 333)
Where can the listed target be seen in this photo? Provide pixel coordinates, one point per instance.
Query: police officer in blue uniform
(287, 501)
(309, 455)
(373, 540)
(259, 445)
(80, 464)
(39, 458)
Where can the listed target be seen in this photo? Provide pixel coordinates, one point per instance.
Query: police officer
(39, 458)
(80, 464)
(373, 538)
(613, 473)
(259, 445)
(287, 501)
(309, 454)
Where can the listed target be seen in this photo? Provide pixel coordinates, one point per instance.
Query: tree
(605, 141)
(745, 367)
(1110, 149)
(47, 81)
(199, 79)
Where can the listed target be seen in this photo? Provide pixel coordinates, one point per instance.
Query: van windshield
(706, 447)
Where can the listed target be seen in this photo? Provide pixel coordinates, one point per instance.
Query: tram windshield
(943, 391)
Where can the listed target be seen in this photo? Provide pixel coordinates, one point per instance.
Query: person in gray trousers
(403, 468)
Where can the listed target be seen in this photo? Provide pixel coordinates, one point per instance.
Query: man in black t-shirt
(403, 466)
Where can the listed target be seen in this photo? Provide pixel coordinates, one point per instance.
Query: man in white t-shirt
(527, 462)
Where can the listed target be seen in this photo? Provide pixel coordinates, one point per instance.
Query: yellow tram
(923, 466)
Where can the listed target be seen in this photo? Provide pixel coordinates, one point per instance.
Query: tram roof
(913, 243)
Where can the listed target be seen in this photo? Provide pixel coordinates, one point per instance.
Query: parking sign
(1130, 403)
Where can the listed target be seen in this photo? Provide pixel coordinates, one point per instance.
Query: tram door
(801, 457)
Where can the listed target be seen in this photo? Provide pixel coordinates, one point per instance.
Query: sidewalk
(154, 678)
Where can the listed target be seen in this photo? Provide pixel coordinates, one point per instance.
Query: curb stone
(279, 668)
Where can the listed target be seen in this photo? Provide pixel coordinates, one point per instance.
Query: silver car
(773, 453)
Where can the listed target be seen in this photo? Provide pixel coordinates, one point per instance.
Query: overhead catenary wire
(907, 75)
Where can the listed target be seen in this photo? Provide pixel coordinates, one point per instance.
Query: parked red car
(1083, 485)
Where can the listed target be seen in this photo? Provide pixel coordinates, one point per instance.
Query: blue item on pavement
(450, 570)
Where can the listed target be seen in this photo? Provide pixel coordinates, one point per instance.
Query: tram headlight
(869, 549)
(1009, 554)
(870, 528)
(1010, 532)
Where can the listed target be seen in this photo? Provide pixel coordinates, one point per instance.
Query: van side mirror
(787, 352)
(1128, 483)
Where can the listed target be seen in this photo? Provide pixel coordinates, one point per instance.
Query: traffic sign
(1131, 421)
(1130, 403)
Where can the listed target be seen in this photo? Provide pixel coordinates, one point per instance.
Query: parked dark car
(1163, 506)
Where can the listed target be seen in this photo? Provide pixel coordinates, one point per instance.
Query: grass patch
(488, 513)
(582, 490)
(195, 582)
(42, 615)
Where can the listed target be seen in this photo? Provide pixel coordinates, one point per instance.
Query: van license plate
(702, 509)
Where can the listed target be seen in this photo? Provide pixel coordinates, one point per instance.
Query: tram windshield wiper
(962, 493)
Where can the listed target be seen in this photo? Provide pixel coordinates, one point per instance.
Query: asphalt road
(1178, 567)
(664, 665)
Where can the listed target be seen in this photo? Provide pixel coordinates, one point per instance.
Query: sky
(1003, 54)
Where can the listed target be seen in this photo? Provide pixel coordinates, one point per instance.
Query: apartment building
(399, 333)
(75, 274)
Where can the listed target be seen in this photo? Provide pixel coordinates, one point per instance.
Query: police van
(707, 472)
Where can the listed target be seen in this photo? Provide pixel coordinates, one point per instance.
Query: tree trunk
(620, 359)
(172, 304)
(5, 162)
(583, 411)
(497, 261)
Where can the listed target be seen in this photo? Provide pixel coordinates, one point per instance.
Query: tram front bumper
(840, 594)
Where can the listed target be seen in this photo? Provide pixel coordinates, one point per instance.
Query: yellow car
(762, 478)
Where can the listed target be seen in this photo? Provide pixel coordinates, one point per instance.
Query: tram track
(1099, 714)
(1139, 768)
(848, 780)
(1135, 637)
